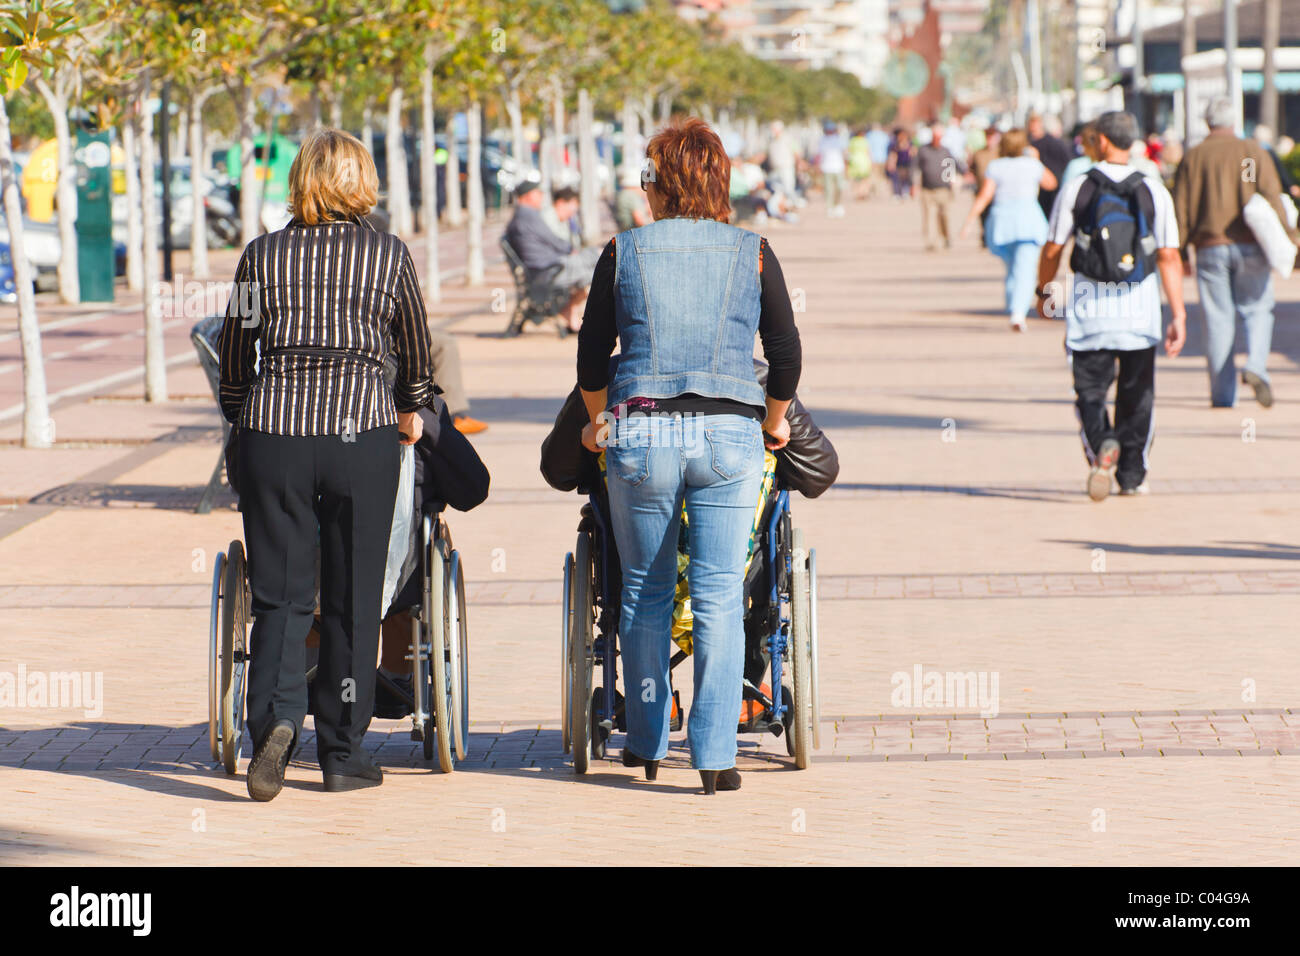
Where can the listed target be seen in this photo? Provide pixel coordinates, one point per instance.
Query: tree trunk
(399, 187)
(1187, 47)
(665, 107)
(56, 101)
(1268, 114)
(546, 161)
(632, 158)
(134, 234)
(316, 112)
(474, 195)
(182, 135)
(250, 190)
(429, 181)
(557, 121)
(336, 109)
(451, 178)
(368, 124)
(38, 427)
(515, 109)
(155, 359)
(588, 161)
(198, 189)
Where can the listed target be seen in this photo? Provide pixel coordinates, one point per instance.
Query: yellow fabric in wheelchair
(683, 622)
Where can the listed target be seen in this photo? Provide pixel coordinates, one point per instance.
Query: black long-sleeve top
(776, 331)
(326, 304)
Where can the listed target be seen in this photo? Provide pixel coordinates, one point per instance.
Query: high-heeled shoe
(720, 780)
(632, 760)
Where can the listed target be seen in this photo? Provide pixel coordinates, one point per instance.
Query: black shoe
(266, 769)
(720, 780)
(368, 776)
(1263, 391)
(632, 760)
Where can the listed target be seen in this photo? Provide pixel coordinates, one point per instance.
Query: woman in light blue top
(1016, 227)
(1081, 164)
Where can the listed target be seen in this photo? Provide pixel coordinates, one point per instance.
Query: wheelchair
(438, 697)
(780, 631)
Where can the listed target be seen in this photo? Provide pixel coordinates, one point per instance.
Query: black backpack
(1112, 229)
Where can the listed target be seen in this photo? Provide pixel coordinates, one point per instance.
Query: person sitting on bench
(540, 246)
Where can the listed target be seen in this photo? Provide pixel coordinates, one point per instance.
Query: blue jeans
(1235, 282)
(1021, 260)
(714, 464)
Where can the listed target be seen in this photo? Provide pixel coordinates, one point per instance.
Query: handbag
(1271, 235)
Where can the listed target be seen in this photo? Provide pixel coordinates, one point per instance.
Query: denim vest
(686, 302)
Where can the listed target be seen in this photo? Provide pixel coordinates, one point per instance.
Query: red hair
(691, 171)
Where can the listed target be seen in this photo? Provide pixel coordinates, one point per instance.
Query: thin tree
(33, 34)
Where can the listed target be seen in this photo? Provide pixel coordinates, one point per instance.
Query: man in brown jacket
(1211, 188)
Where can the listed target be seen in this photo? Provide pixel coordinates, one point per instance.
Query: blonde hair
(332, 177)
(1013, 142)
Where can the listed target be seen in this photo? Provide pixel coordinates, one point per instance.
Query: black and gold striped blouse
(325, 304)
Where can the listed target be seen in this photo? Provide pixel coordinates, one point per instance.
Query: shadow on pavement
(85, 494)
(528, 411)
(120, 753)
(1251, 549)
(975, 491)
(853, 418)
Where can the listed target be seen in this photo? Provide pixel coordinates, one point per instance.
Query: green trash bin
(95, 263)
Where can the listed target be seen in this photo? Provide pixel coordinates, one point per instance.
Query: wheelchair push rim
(566, 622)
(437, 731)
(800, 652)
(456, 655)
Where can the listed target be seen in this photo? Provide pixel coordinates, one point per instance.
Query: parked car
(499, 171)
(8, 291)
(41, 240)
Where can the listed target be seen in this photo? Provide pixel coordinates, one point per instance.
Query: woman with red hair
(681, 418)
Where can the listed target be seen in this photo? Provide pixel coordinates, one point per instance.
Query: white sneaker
(1142, 489)
(1018, 324)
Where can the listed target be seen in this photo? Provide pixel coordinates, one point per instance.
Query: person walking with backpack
(1124, 232)
(1214, 182)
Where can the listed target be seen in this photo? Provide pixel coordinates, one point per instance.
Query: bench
(536, 297)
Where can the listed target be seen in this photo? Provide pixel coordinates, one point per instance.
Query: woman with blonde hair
(1016, 227)
(323, 300)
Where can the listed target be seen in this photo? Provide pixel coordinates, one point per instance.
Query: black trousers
(1135, 397)
(294, 493)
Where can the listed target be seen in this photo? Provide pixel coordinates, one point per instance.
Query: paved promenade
(1141, 688)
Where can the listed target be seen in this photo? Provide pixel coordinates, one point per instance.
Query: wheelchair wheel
(566, 621)
(800, 652)
(214, 658)
(234, 655)
(581, 637)
(439, 686)
(457, 655)
(815, 670)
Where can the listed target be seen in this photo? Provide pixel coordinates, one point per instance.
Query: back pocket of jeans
(628, 461)
(734, 448)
